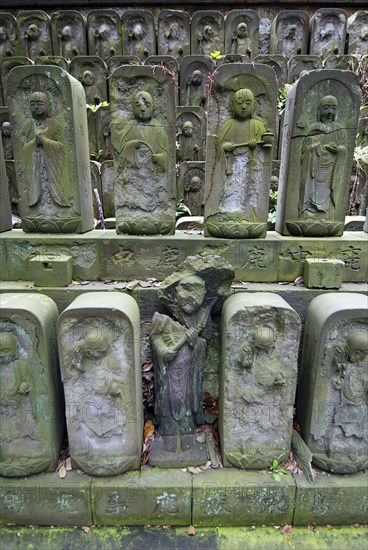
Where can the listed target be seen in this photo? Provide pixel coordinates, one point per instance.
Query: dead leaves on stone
(148, 386)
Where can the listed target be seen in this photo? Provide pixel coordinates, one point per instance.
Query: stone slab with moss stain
(52, 270)
(5, 212)
(48, 116)
(260, 335)
(331, 499)
(99, 349)
(323, 273)
(46, 499)
(320, 125)
(332, 405)
(148, 497)
(31, 403)
(227, 497)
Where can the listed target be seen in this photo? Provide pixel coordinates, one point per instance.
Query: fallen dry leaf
(286, 529)
(68, 464)
(86, 529)
(149, 428)
(62, 471)
(191, 530)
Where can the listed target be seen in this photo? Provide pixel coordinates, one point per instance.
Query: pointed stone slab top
(99, 348)
(260, 336)
(332, 404)
(30, 400)
(48, 115)
(320, 125)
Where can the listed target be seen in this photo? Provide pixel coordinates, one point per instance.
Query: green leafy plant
(94, 107)
(182, 209)
(281, 97)
(272, 206)
(277, 470)
(96, 155)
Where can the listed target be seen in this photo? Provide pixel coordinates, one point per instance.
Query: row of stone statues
(68, 33)
(50, 141)
(99, 347)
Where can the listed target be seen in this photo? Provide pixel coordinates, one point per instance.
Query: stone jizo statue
(187, 143)
(241, 43)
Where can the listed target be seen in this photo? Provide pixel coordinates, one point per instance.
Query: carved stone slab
(170, 64)
(173, 34)
(321, 117)
(5, 210)
(328, 32)
(32, 429)
(191, 186)
(69, 37)
(190, 133)
(109, 179)
(207, 32)
(332, 403)
(53, 60)
(290, 33)
(104, 33)
(103, 130)
(13, 189)
(6, 66)
(8, 35)
(99, 348)
(241, 33)
(5, 132)
(278, 63)
(260, 336)
(194, 85)
(139, 36)
(48, 114)
(301, 64)
(34, 33)
(358, 32)
(117, 60)
(240, 137)
(342, 62)
(143, 136)
(91, 72)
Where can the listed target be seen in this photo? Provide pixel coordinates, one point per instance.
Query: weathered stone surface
(178, 345)
(6, 66)
(229, 497)
(139, 498)
(332, 397)
(194, 76)
(278, 63)
(68, 33)
(170, 65)
(289, 33)
(241, 130)
(5, 209)
(342, 62)
(362, 137)
(104, 33)
(46, 499)
(91, 72)
(300, 64)
(241, 33)
(8, 36)
(53, 60)
(320, 124)
(7, 146)
(52, 270)
(260, 336)
(328, 32)
(31, 408)
(358, 32)
(191, 186)
(99, 348)
(34, 33)
(331, 499)
(48, 114)
(207, 32)
(103, 130)
(13, 190)
(143, 136)
(190, 132)
(173, 34)
(109, 179)
(117, 60)
(139, 37)
(96, 186)
(323, 273)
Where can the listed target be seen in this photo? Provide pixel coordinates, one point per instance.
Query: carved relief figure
(172, 36)
(192, 195)
(241, 43)
(6, 46)
(188, 146)
(137, 40)
(43, 158)
(292, 41)
(104, 41)
(32, 37)
(90, 87)
(195, 89)
(7, 142)
(67, 46)
(323, 159)
(207, 40)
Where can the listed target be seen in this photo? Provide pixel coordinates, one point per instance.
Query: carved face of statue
(243, 104)
(328, 109)
(208, 32)
(142, 106)
(3, 34)
(291, 31)
(264, 338)
(358, 346)
(39, 104)
(195, 183)
(327, 32)
(88, 78)
(187, 129)
(103, 32)
(173, 31)
(197, 78)
(242, 30)
(33, 32)
(95, 344)
(138, 32)
(67, 32)
(190, 293)
(6, 129)
(8, 347)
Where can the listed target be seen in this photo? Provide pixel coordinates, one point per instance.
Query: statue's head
(264, 338)
(187, 129)
(327, 109)
(3, 34)
(88, 78)
(103, 32)
(195, 183)
(8, 347)
(197, 78)
(208, 32)
(67, 32)
(242, 30)
(190, 293)
(243, 104)
(96, 343)
(143, 105)
(173, 31)
(357, 343)
(291, 31)
(6, 129)
(138, 31)
(33, 32)
(40, 105)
